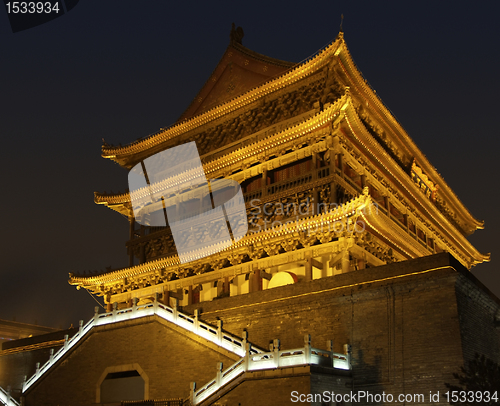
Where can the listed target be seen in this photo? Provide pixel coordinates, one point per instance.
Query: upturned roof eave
(406, 186)
(382, 224)
(404, 140)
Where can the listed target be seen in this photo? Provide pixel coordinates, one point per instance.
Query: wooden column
(190, 295)
(314, 164)
(345, 261)
(131, 238)
(315, 202)
(361, 263)
(309, 272)
(256, 281)
(226, 284)
(333, 193)
(143, 245)
(331, 160)
(166, 298)
(107, 301)
(131, 228)
(264, 182)
(363, 181)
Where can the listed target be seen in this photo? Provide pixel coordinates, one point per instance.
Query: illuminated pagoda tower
(353, 236)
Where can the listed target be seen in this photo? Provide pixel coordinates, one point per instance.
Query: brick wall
(402, 321)
(479, 320)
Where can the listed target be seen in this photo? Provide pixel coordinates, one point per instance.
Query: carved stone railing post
(196, 320)
(348, 352)
(246, 362)
(37, 368)
(96, 313)
(80, 326)
(134, 305)
(218, 378)
(155, 304)
(329, 347)
(51, 356)
(219, 331)
(66, 338)
(307, 348)
(115, 308)
(244, 335)
(175, 312)
(192, 388)
(276, 352)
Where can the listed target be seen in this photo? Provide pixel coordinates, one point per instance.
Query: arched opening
(122, 383)
(119, 386)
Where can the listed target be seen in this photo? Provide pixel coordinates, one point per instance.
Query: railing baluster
(155, 303)
(196, 321)
(276, 350)
(329, 347)
(347, 352)
(307, 348)
(218, 377)
(175, 313)
(192, 388)
(219, 331)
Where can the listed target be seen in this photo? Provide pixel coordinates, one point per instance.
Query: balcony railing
(6, 399)
(322, 175)
(276, 358)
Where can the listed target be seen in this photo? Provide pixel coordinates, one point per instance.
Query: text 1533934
(32, 7)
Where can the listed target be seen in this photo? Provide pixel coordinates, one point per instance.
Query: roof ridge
(175, 129)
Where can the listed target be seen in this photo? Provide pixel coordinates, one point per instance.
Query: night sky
(122, 69)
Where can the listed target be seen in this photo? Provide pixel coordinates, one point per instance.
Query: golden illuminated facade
(331, 180)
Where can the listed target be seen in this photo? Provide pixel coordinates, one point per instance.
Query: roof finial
(236, 35)
(341, 22)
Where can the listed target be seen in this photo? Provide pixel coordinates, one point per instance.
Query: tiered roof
(247, 116)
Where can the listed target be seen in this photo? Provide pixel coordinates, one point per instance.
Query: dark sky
(122, 69)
